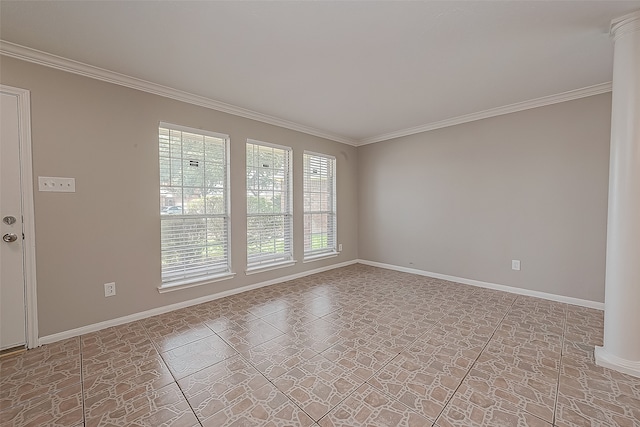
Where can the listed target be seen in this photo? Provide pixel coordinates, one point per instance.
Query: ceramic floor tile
(578, 350)
(288, 319)
(18, 387)
(190, 358)
(584, 325)
(464, 325)
(363, 358)
(123, 336)
(60, 409)
(139, 377)
(221, 386)
(264, 308)
(512, 334)
(170, 335)
(265, 407)
(163, 407)
(416, 385)
(317, 305)
(585, 334)
(278, 356)
(317, 386)
(543, 313)
(546, 370)
(392, 334)
(368, 406)
(221, 320)
(511, 391)
(593, 395)
(431, 350)
(491, 307)
(577, 315)
(426, 319)
(582, 373)
(453, 354)
(114, 347)
(584, 408)
(319, 335)
(347, 317)
(99, 359)
(231, 303)
(173, 319)
(469, 408)
(250, 334)
(420, 319)
(50, 354)
(540, 305)
(552, 329)
(526, 353)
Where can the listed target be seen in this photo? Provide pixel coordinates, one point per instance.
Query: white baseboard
(608, 360)
(48, 339)
(167, 308)
(510, 289)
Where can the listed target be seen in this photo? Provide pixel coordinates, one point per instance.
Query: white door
(12, 279)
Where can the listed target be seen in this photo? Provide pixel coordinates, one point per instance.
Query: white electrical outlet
(340, 247)
(109, 289)
(515, 264)
(58, 185)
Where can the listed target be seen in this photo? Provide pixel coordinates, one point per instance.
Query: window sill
(268, 267)
(185, 284)
(321, 256)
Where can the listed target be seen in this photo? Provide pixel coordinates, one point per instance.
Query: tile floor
(356, 346)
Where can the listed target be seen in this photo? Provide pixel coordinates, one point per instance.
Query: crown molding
(53, 61)
(625, 24)
(493, 112)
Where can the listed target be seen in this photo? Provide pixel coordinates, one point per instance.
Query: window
(319, 205)
(269, 205)
(194, 205)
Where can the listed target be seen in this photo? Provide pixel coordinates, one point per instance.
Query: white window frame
(332, 226)
(206, 274)
(272, 261)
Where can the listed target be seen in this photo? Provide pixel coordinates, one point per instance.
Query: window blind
(320, 232)
(194, 204)
(269, 204)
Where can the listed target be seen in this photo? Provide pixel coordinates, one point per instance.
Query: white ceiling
(355, 70)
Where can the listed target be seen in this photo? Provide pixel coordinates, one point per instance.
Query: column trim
(625, 24)
(620, 350)
(607, 360)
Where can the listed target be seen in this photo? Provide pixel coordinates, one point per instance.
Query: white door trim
(26, 187)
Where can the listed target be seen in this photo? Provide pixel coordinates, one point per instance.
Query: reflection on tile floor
(355, 346)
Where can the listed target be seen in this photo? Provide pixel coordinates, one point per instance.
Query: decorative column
(621, 350)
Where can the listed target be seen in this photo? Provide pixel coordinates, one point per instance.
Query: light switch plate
(56, 184)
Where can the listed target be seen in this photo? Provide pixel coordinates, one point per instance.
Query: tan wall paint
(466, 200)
(106, 137)
(461, 201)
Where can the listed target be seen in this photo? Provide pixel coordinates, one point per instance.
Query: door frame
(28, 212)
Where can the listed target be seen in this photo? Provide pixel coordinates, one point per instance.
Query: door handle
(9, 237)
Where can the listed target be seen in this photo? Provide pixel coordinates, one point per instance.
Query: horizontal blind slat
(193, 176)
(319, 200)
(269, 205)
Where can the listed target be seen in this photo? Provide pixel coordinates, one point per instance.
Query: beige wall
(106, 137)
(461, 201)
(466, 200)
